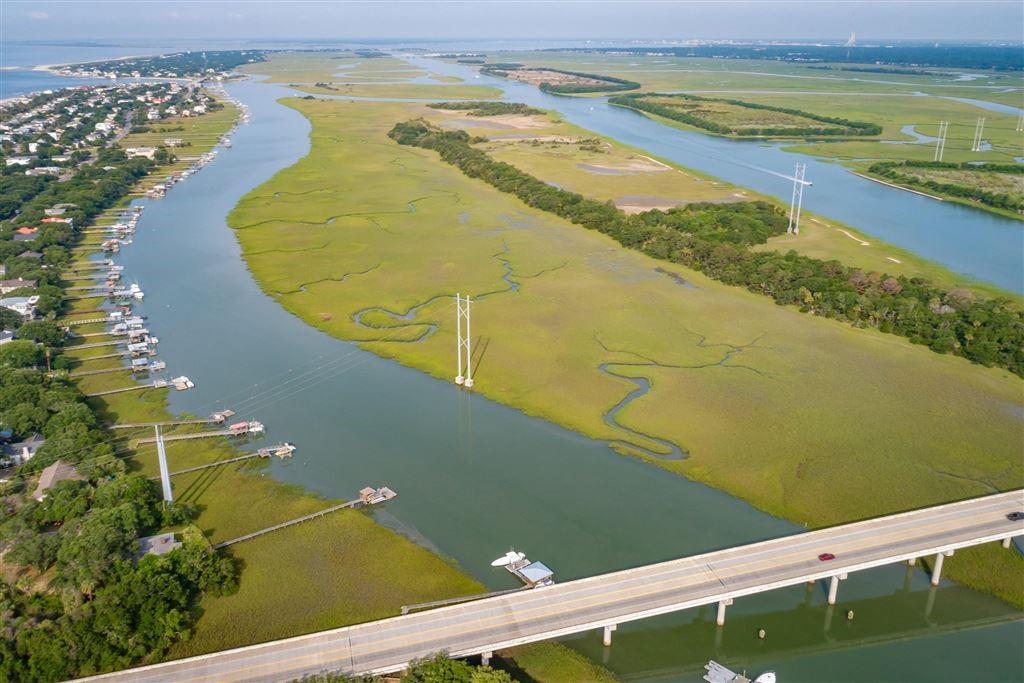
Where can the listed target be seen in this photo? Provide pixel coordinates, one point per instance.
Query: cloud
(41, 16)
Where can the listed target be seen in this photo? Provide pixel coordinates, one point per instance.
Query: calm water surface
(475, 477)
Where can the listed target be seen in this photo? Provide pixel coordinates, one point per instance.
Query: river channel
(982, 245)
(475, 477)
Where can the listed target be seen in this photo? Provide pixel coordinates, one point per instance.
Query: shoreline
(52, 68)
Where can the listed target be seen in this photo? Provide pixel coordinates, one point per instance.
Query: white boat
(716, 673)
(508, 558)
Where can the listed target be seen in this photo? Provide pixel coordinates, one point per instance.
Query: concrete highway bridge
(604, 601)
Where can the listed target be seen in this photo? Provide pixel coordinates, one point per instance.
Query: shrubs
(837, 126)
(714, 239)
(999, 200)
(488, 108)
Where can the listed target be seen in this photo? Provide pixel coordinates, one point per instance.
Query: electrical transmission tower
(979, 128)
(797, 202)
(165, 476)
(940, 143)
(463, 343)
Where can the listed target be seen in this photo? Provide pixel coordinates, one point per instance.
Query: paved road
(606, 599)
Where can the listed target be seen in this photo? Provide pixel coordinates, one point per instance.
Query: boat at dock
(532, 574)
(372, 496)
(716, 673)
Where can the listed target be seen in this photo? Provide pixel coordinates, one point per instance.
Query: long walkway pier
(604, 601)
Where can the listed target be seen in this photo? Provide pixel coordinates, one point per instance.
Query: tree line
(716, 239)
(838, 126)
(89, 602)
(608, 83)
(486, 108)
(999, 200)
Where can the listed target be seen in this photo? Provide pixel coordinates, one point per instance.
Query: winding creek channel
(475, 477)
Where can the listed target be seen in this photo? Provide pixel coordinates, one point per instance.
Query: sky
(156, 20)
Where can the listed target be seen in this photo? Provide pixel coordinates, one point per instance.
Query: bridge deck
(575, 606)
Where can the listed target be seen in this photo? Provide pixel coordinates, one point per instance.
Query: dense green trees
(200, 63)
(836, 126)
(92, 604)
(478, 108)
(714, 239)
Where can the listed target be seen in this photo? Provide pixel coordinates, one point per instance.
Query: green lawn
(807, 418)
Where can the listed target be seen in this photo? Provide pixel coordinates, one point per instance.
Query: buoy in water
(849, 615)
(761, 633)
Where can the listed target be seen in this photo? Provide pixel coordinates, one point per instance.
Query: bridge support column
(911, 562)
(722, 604)
(833, 587)
(485, 658)
(608, 634)
(937, 569)
(1007, 541)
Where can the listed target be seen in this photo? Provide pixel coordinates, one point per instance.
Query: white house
(25, 306)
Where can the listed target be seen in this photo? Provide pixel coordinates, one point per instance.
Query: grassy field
(575, 159)
(807, 418)
(893, 101)
(665, 73)
(405, 90)
(552, 662)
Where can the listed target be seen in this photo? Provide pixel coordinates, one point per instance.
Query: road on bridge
(607, 599)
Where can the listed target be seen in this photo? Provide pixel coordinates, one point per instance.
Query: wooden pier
(198, 435)
(156, 384)
(87, 321)
(382, 494)
(94, 345)
(216, 418)
(138, 387)
(291, 522)
(261, 453)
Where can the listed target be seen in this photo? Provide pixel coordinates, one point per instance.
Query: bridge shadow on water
(676, 647)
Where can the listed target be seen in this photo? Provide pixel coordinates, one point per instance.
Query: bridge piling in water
(607, 640)
(722, 604)
(937, 569)
(833, 587)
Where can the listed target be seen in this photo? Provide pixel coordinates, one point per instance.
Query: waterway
(475, 477)
(977, 243)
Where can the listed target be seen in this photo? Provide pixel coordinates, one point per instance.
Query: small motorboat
(511, 557)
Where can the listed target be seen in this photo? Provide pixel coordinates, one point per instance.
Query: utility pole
(940, 143)
(463, 343)
(797, 201)
(979, 128)
(165, 477)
